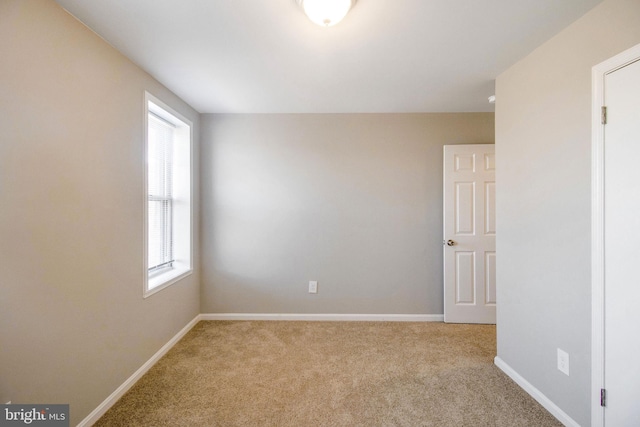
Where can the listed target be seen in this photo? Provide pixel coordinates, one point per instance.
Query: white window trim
(182, 267)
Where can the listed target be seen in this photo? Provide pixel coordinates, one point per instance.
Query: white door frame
(597, 226)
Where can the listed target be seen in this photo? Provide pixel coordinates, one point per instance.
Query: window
(168, 183)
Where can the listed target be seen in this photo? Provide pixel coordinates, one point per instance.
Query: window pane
(159, 153)
(169, 179)
(159, 176)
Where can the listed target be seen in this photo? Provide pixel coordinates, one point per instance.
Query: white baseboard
(536, 394)
(326, 317)
(120, 391)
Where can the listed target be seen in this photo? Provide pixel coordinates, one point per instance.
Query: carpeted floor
(300, 374)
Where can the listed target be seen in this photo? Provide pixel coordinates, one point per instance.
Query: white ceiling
(265, 56)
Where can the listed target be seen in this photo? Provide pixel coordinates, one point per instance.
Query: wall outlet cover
(563, 361)
(313, 287)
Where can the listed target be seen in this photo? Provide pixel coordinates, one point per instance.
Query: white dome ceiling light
(326, 13)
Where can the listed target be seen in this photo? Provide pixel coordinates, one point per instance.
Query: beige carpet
(329, 374)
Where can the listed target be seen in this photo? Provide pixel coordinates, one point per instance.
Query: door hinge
(603, 397)
(604, 115)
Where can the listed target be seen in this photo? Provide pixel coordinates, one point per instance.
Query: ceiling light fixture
(326, 13)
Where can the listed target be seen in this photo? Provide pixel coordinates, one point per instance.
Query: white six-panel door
(469, 234)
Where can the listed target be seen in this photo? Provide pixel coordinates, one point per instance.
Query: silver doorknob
(450, 243)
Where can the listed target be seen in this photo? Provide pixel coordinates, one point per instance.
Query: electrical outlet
(313, 287)
(563, 362)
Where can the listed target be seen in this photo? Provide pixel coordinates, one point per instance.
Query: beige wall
(353, 201)
(73, 323)
(543, 146)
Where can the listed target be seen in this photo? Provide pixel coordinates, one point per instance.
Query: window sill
(166, 279)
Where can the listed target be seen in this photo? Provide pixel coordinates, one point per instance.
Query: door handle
(449, 243)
